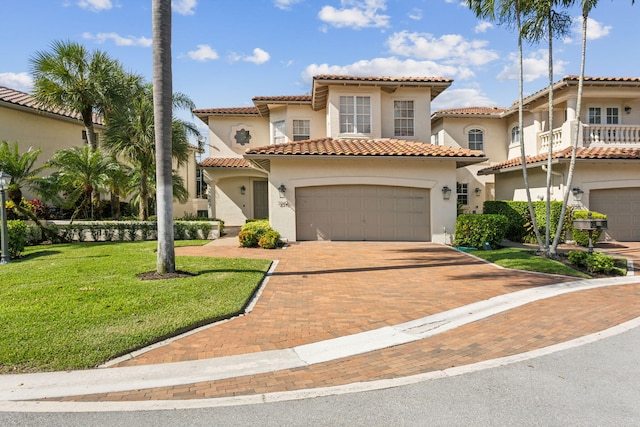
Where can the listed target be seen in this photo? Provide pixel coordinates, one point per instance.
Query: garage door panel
(622, 207)
(362, 212)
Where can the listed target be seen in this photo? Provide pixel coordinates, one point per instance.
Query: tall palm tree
(586, 6)
(21, 167)
(548, 22)
(80, 170)
(513, 12)
(75, 79)
(130, 135)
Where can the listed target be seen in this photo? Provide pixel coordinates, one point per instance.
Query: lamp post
(5, 179)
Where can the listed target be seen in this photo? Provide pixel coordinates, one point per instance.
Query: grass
(78, 305)
(523, 259)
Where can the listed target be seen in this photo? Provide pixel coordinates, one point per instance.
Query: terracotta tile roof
(234, 111)
(582, 153)
(471, 111)
(22, 99)
(217, 162)
(282, 98)
(374, 79)
(362, 147)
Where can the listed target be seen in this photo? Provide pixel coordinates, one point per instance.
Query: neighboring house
(347, 162)
(607, 172)
(23, 120)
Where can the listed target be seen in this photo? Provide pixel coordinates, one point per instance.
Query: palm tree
(72, 78)
(180, 192)
(80, 170)
(130, 135)
(21, 167)
(547, 22)
(512, 12)
(118, 178)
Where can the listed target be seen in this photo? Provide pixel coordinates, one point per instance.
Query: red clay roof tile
(216, 162)
(234, 111)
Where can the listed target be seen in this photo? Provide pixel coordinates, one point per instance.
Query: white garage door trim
(363, 212)
(622, 206)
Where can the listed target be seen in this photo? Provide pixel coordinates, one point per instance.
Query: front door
(260, 199)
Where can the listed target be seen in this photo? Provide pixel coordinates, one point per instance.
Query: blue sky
(227, 51)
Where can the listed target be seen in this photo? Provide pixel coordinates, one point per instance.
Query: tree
(130, 135)
(513, 12)
(162, 108)
(21, 167)
(80, 170)
(72, 78)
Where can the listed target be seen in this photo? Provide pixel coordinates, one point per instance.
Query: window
(279, 135)
(201, 185)
(436, 139)
(403, 118)
(301, 130)
(612, 116)
(595, 115)
(355, 114)
(515, 135)
(476, 139)
(463, 193)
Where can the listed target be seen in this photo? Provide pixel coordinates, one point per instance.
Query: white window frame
(279, 134)
(354, 115)
(404, 118)
(607, 116)
(462, 193)
(477, 131)
(306, 126)
(512, 140)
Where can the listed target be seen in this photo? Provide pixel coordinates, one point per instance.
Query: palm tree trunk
(162, 103)
(143, 209)
(550, 152)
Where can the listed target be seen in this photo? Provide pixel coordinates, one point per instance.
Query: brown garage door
(362, 212)
(622, 206)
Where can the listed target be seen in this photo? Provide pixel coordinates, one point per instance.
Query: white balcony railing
(610, 135)
(547, 138)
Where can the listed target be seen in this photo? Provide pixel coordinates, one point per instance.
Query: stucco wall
(420, 173)
(223, 129)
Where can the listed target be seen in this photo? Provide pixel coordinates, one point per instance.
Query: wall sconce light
(577, 194)
(446, 192)
(478, 190)
(627, 109)
(282, 190)
(243, 189)
(5, 180)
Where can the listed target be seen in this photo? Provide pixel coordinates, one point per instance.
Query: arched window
(476, 139)
(515, 135)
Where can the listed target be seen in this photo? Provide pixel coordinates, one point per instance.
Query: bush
(254, 231)
(473, 230)
(582, 236)
(595, 262)
(17, 231)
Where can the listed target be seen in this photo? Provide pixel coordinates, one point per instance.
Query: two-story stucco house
(607, 172)
(23, 120)
(351, 161)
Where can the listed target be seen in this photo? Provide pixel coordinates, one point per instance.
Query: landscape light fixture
(577, 194)
(243, 189)
(478, 190)
(5, 180)
(446, 192)
(627, 109)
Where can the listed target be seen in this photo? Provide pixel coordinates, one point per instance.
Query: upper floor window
(611, 115)
(595, 115)
(355, 114)
(476, 139)
(515, 135)
(403, 118)
(301, 130)
(279, 134)
(436, 139)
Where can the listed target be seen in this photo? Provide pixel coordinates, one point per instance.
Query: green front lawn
(78, 305)
(523, 259)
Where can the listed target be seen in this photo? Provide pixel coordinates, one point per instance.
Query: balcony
(600, 135)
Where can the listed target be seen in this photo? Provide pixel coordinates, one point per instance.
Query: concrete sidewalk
(335, 313)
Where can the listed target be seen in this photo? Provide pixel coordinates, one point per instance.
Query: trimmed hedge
(258, 233)
(582, 236)
(473, 230)
(595, 262)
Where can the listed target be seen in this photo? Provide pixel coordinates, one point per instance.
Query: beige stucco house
(23, 120)
(350, 161)
(607, 172)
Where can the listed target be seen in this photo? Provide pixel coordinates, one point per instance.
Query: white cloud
(415, 14)
(535, 66)
(595, 30)
(184, 7)
(483, 26)
(393, 67)
(356, 13)
(203, 53)
(95, 5)
(17, 81)
(460, 98)
(259, 56)
(118, 39)
(450, 48)
(285, 4)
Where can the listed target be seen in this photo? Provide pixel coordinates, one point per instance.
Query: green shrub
(578, 258)
(17, 231)
(595, 262)
(582, 236)
(251, 233)
(473, 230)
(270, 240)
(248, 238)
